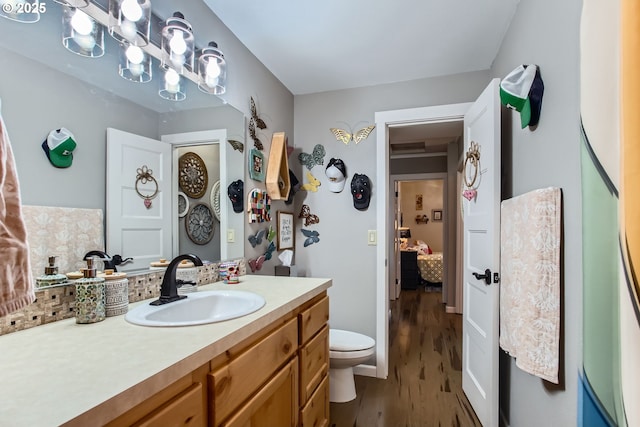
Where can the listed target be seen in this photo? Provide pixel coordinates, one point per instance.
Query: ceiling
(337, 44)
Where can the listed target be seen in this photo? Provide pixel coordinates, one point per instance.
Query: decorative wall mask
(192, 175)
(470, 171)
(308, 217)
(315, 158)
(313, 183)
(344, 136)
(312, 237)
(254, 116)
(361, 191)
(235, 191)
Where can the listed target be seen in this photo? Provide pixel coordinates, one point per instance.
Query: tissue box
(283, 270)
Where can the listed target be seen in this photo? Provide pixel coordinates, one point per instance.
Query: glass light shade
(172, 86)
(81, 34)
(23, 11)
(212, 70)
(130, 21)
(73, 3)
(135, 64)
(177, 44)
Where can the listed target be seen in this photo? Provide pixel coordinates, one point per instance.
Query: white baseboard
(365, 370)
(450, 309)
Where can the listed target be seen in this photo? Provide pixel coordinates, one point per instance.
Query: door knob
(486, 276)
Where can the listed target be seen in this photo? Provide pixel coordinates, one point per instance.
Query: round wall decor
(200, 224)
(183, 204)
(215, 199)
(192, 175)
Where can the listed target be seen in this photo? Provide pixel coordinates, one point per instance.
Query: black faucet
(109, 262)
(169, 288)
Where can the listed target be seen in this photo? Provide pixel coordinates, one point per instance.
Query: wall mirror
(43, 87)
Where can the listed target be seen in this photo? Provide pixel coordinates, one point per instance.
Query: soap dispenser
(90, 295)
(51, 276)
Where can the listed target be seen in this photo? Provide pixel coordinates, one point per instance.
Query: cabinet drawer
(236, 381)
(313, 319)
(274, 405)
(316, 412)
(314, 363)
(184, 410)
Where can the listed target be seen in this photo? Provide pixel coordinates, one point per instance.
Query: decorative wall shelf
(278, 182)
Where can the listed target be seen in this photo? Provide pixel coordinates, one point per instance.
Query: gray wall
(343, 253)
(546, 32)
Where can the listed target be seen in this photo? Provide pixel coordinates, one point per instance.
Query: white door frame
(384, 120)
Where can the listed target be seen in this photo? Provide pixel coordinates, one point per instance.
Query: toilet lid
(340, 340)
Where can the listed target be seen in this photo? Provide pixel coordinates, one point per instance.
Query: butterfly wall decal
(271, 234)
(315, 158)
(308, 217)
(313, 183)
(254, 115)
(256, 264)
(344, 136)
(252, 131)
(237, 145)
(312, 237)
(257, 238)
(270, 249)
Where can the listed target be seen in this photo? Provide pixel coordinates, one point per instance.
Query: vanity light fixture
(212, 70)
(177, 44)
(130, 21)
(172, 87)
(23, 11)
(135, 63)
(81, 34)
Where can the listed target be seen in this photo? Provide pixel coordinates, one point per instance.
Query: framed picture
(436, 214)
(418, 202)
(256, 165)
(285, 230)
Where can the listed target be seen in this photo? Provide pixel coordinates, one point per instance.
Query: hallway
(424, 387)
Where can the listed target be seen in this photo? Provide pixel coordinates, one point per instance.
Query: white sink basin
(197, 309)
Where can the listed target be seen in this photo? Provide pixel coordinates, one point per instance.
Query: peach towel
(530, 234)
(16, 280)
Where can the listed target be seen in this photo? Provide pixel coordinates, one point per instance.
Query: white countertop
(53, 373)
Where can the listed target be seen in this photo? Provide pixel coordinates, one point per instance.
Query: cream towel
(16, 280)
(530, 235)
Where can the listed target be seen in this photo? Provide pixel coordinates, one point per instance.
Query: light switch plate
(231, 235)
(372, 238)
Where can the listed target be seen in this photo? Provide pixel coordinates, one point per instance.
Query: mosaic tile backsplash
(58, 303)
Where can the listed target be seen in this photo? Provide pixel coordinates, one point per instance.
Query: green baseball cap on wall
(59, 147)
(522, 90)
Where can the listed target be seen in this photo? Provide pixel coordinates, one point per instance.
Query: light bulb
(177, 43)
(172, 81)
(128, 29)
(131, 10)
(213, 69)
(135, 55)
(81, 23)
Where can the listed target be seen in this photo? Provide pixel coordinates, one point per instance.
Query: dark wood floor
(424, 387)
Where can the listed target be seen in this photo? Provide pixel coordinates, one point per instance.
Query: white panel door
(480, 346)
(133, 230)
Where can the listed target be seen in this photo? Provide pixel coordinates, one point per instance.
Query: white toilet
(346, 350)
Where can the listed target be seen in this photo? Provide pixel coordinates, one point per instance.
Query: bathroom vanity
(264, 369)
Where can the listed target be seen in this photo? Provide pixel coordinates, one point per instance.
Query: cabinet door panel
(314, 363)
(313, 319)
(274, 405)
(316, 412)
(184, 410)
(236, 381)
